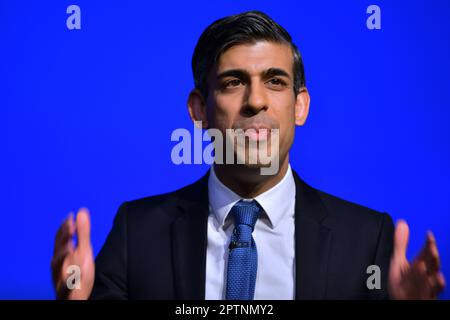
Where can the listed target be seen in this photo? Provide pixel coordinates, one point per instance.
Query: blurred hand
(65, 255)
(420, 279)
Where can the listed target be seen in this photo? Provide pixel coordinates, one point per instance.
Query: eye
(232, 83)
(277, 82)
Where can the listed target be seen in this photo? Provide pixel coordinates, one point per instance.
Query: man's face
(251, 87)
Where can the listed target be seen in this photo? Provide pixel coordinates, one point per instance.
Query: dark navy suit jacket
(157, 247)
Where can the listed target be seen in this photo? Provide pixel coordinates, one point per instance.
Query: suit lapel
(312, 243)
(189, 234)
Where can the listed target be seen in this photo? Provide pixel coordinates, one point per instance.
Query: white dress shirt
(273, 235)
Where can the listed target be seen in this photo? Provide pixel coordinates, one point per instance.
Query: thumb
(401, 238)
(83, 229)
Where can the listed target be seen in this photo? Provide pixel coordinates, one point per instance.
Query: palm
(84, 259)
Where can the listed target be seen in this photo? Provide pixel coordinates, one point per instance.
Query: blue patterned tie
(243, 258)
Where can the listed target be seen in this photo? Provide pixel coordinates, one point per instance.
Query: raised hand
(65, 254)
(420, 279)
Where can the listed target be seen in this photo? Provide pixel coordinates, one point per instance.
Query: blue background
(86, 115)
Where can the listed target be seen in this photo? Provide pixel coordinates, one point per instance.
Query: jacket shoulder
(166, 203)
(349, 213)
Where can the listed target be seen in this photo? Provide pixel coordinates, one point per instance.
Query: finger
(421, 280)
(64, 233)
(65, 228)
(437, 284)
(62, 290)
(62, 252)
(430, 254)
(58, 261)
(401, 238)
(441, 280)
(83, 226)
(429, 285)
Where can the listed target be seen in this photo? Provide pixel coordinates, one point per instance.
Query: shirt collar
(275, 201)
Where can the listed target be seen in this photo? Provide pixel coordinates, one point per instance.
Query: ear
(302, 106)
(197, 108)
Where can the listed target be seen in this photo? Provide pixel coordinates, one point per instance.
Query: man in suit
(236, 233)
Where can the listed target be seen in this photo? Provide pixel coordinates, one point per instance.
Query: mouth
(257, 132)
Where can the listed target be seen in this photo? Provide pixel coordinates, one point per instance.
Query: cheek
(283, 107)
(284, 112)
(226, 110)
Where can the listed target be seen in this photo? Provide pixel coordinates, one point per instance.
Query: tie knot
(246, 212)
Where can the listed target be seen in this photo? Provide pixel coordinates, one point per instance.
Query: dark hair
(246, 27)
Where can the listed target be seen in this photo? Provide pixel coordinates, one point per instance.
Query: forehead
(256, 57)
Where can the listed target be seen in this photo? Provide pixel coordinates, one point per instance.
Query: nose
(256, 99)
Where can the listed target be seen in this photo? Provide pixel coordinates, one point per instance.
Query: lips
(257, 132)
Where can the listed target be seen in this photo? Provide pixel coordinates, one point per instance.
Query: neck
(248, 182)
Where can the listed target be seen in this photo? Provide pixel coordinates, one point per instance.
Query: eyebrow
(243, 74)
(271, 72)
(237, 73)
